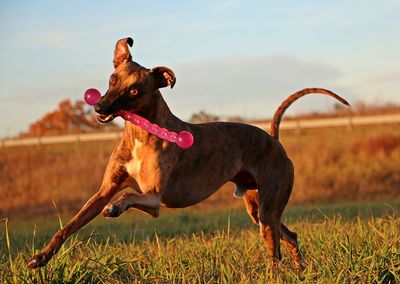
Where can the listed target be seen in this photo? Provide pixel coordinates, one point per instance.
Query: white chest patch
(134, 165)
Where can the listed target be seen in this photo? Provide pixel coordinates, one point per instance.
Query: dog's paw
(111, 211)
(153, 212)
(239, 192)
(38, 260)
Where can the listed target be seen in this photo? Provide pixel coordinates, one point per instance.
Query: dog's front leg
(115, 175)
(147, 202)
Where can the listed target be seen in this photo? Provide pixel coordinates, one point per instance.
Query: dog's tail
(276, 120)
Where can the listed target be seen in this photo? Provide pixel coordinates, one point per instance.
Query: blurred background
(234, 61)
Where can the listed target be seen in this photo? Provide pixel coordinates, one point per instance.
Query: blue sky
(230, 57)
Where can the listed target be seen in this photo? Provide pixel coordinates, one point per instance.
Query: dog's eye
(113, 80)
(133, 92)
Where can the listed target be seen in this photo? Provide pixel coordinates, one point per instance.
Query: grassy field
(345, 243)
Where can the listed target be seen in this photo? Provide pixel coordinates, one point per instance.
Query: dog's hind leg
(251, 202)
(269, 223)
(148, 203)
(274, 194)
(289, 239)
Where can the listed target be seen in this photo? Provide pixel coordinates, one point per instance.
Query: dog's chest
(144, 166)
(133, 166)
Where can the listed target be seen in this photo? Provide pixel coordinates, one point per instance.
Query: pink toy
(183, 139)
(92, 96)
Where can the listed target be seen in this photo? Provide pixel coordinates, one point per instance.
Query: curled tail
(276, 120)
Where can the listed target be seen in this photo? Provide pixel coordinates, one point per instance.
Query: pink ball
(92, 96)
(185, 139)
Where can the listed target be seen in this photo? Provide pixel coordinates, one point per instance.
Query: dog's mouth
(105, 118)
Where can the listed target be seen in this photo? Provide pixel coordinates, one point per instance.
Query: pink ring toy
(183, 139)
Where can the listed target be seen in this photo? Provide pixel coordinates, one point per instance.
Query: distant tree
(203, 117)
(68, 118)
(236, 118)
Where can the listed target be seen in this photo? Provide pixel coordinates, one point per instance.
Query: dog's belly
(195, 186)
(174, 197)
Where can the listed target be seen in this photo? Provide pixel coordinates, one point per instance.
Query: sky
(230, 57)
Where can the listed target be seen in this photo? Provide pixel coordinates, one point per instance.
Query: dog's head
(131, 86)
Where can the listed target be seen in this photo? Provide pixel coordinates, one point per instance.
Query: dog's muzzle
(104, 111)
(105, 118)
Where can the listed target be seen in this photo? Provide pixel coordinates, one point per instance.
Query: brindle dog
(163, 174)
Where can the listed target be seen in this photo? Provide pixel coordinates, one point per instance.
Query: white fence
(291, 124)
(334, 122)
(70, 138)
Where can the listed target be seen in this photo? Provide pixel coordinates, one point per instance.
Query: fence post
(298, 127)
(39, 141)
(350, 123)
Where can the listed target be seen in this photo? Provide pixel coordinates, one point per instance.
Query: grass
(345, 243)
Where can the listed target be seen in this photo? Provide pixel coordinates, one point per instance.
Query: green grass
(341, 244)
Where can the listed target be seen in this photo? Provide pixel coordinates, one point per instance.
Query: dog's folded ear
(163, 77)
(121, 52)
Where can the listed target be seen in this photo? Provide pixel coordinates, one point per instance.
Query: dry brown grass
(31, 177)
(330, 164)
(362, 165)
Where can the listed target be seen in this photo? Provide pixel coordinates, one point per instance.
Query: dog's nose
(97, 108)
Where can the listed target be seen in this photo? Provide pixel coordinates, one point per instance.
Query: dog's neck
(156, 112)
